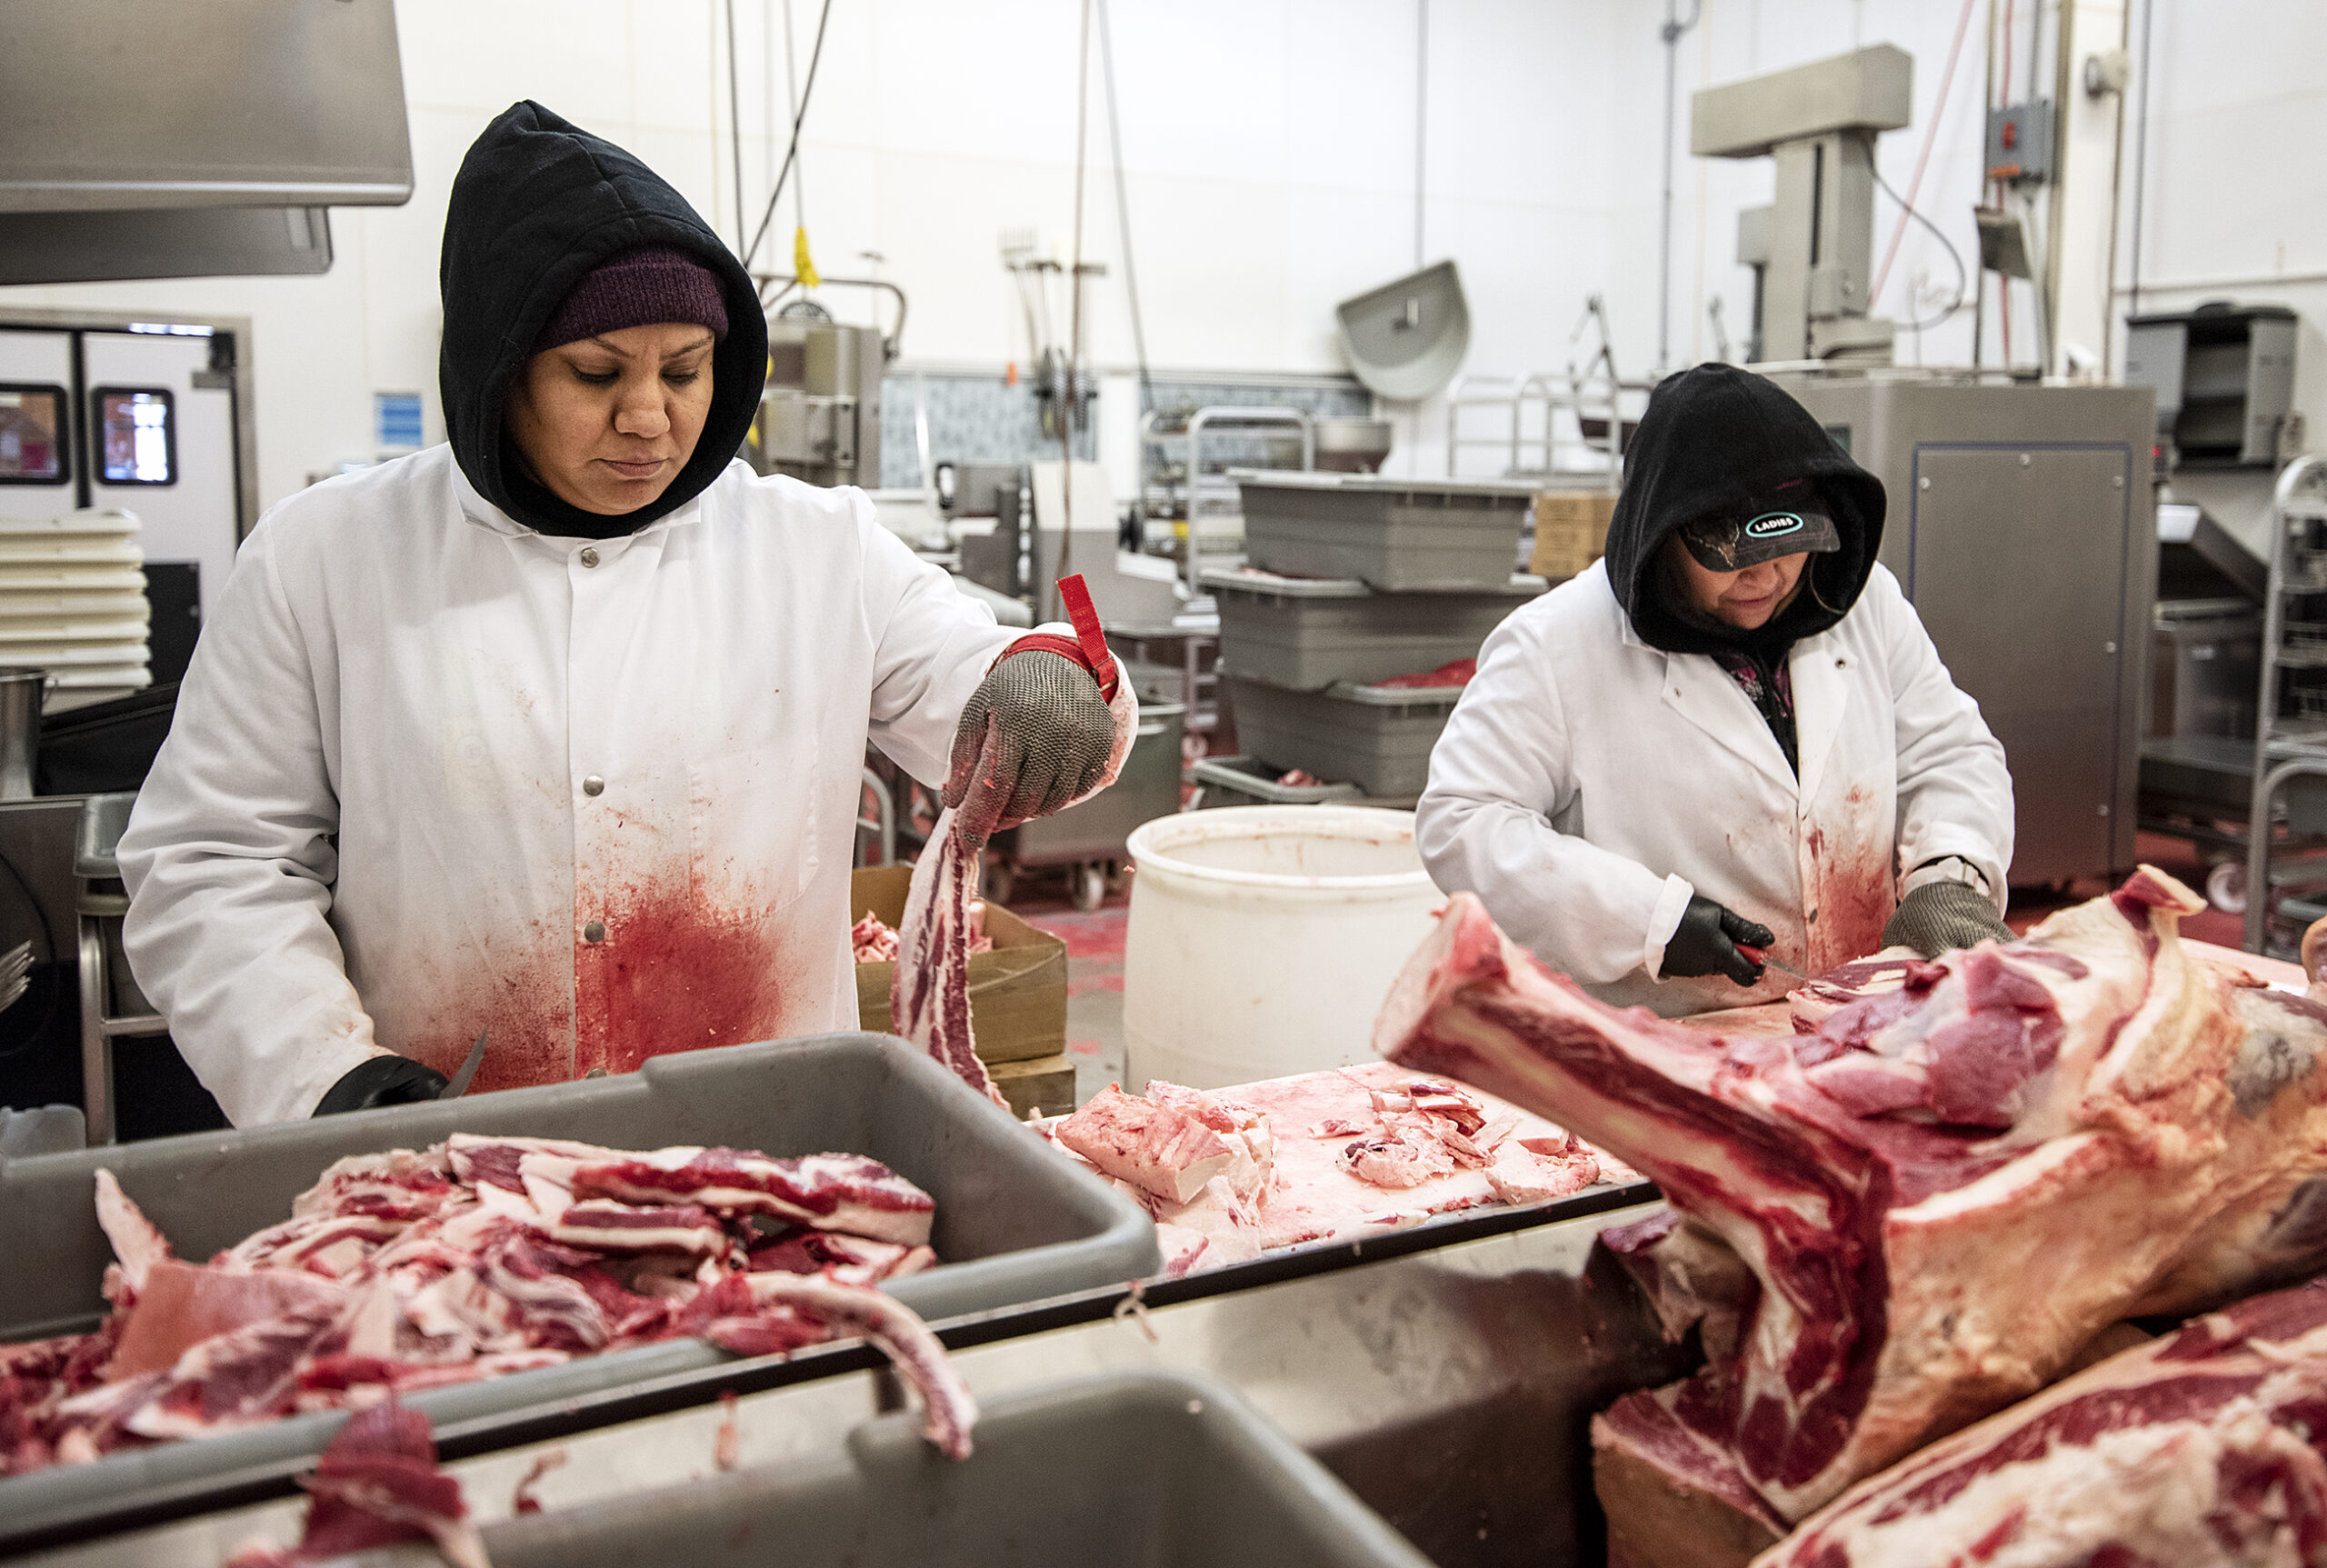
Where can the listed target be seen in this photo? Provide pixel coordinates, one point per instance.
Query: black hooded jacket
(1721, 441)
(536, 205)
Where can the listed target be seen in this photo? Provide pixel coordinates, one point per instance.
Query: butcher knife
(460, 1083)
(1757, 956)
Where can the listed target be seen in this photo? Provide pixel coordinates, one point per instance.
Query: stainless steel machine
(1817, 123)
(2022, 528)
(820, 417)
(2022, 519)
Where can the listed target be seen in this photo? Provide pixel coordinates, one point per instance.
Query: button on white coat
(589, 556)
(593, 785)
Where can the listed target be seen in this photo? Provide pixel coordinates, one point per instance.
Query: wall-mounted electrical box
(2020, 142)
(2224, 376)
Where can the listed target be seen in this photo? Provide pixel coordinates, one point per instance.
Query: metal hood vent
(141, 140)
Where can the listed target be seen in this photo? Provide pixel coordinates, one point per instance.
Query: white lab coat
(424, 754)
(1587, 784)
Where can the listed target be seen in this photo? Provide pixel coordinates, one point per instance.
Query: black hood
(1718, 440)
(538, 203)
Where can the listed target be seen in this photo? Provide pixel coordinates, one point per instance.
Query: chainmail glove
(1940, 916)
(383, 1081)
(1705, 942)
(1043, 732)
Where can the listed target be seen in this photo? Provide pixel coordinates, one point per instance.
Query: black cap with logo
(1733, 544)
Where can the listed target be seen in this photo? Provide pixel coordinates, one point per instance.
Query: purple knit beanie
(638, 288)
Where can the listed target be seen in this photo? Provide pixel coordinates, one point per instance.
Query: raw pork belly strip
(2085, 1118)
(929, 997)
(830, 1192)
(2199, 1449)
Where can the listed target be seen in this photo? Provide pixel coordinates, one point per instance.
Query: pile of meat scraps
(874, 941)
(1334, 1155)
(483, 1255)
(1906, 1220)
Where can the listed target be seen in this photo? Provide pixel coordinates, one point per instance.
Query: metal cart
(2284, 752)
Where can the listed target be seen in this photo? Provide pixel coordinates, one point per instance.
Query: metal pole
(1671, 33)
(1422, 115)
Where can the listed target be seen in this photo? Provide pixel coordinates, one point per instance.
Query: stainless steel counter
(1450, 1388)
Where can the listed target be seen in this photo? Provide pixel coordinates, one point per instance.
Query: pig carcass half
(1904, 1222)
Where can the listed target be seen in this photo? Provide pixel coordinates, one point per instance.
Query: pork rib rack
(1906, 1221)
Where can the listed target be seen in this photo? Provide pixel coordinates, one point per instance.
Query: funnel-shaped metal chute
(1406, 339)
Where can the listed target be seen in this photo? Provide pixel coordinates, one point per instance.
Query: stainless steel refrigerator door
(2017, 560)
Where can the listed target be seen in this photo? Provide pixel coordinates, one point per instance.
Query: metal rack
(1194, 496)
(2282, 750)
(1538, 446)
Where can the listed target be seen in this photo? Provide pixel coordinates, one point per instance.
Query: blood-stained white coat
(1587, 784)
(433, 771)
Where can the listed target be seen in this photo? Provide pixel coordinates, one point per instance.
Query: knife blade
(460, 1083)
(1761, 956)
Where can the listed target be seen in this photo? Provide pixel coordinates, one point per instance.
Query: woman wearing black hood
(555, 730)
(1731, 732)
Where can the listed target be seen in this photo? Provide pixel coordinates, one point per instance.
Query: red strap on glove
(1087, 647)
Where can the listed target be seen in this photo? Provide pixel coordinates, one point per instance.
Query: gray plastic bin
(1397, 535)
(1014, 1222)
(1240, 781)
(1376, 737)
(1308, 633)
(1156, 1469)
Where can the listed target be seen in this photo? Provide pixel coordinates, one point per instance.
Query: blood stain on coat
(677, 972)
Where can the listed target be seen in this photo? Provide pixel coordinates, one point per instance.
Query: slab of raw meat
(377, 1484)
(182, 1305)
(948, 1411)
(2202, 1449)
(2083, 1118)
(929, 998)
(1164, 1150)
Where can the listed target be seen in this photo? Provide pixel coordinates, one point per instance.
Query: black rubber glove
(1941, 916)
(383, 1081)
(1051, 736)
(1705, 942)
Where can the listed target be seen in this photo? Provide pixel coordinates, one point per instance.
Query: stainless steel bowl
(1352, 444)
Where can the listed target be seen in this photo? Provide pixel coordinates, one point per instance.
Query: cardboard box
(1043, 1086)
(1017, 992)
(1571, 532)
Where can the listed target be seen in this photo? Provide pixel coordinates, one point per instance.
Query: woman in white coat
(1732, 734)
(556, 729)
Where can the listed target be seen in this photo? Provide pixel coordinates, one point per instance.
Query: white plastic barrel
(1263, 939)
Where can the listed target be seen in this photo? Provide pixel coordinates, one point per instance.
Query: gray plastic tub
(1378, 738)
(1399, 534)
(1240, 781)
(1014, 1222)
(1156, 1469)
(1309, 633)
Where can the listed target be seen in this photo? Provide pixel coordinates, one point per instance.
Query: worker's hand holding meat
(1706, 940)
(1035, 735)
(383, 1081)
(1942, 916)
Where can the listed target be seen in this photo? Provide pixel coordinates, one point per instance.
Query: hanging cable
(1075, 312)
(1963, 279)
(792, 153)
(1930, 134)
(1123, 206)
(735, 120)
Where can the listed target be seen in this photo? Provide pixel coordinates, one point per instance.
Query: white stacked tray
(73, 603)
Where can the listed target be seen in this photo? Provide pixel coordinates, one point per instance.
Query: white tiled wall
(1270, 148)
